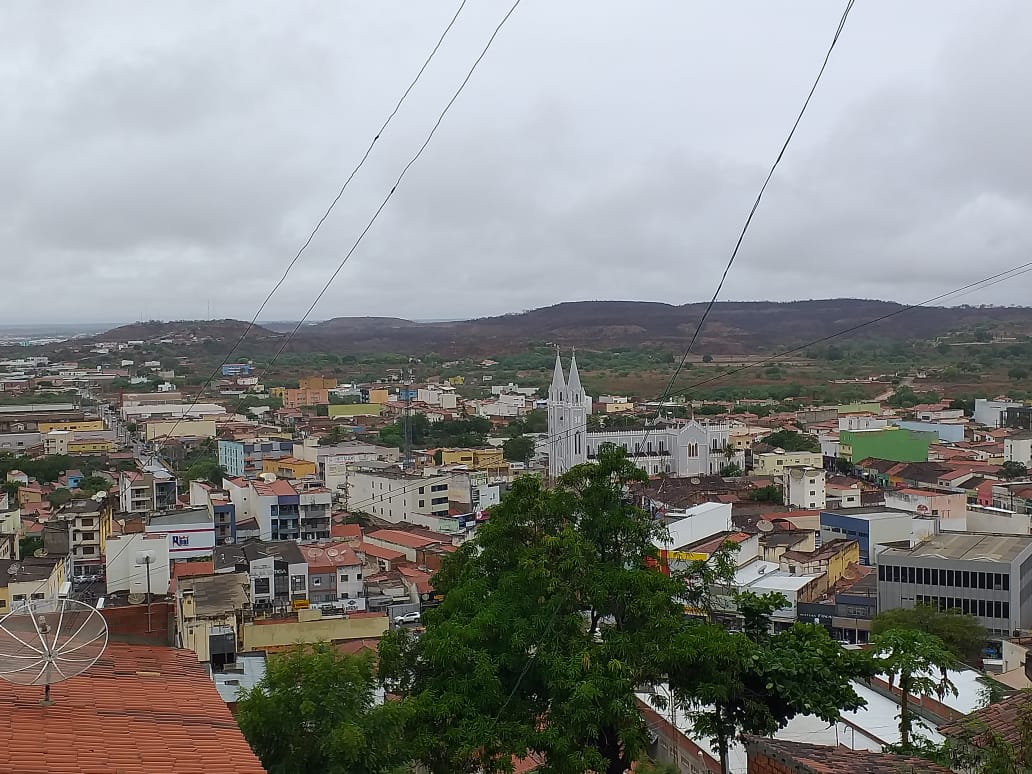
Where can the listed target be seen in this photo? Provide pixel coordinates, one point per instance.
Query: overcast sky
(158, 158)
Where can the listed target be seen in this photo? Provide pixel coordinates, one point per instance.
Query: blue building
(236, 369)
(870, 527)
(225, 521)
(244, 458)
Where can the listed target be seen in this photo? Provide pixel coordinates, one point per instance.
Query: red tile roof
(346, 531)
(278, 488)
(379, 552)
(400, 538)
(138, 710)
(821, 759)
(1005, 717)
(329, 556)
(190, 570)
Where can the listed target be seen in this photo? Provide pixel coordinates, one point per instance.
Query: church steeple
(574, 383)
(558, 382)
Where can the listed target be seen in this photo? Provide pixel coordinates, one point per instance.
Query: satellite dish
(40, 553)
(764, 526)
(49, 641)
(14, 568)
(268, 478)
(696, 480)
(136, 599)
(332, 552)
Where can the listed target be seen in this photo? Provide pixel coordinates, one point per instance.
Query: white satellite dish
(764, 526)
(136, 599)
(268, 478)
(49, 641)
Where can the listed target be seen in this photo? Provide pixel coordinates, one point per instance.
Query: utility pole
(148, 560)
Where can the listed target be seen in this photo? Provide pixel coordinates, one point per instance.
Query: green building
(886, 443)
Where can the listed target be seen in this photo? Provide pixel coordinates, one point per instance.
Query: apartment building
(987, 576)
(297, 398)
(79, 442)
(317, 383)
(869, 527)
(244, 457)
(334, 575)
(277, 572)
(29, 579)
(395, 496)
(774, 463)
(927, 502)
(282, 510)
(334, 462)
(805, 487)
(1018, 448)
(289, 467)
(190, 532)
(151, 489)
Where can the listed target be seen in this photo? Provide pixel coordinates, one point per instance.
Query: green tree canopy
(962, 634)
(205, 469)
(1012, 469)
(518, 449)
(791, 441)
(314, 712)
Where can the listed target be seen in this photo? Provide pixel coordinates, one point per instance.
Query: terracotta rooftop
(400, 538)
(278, 488)
(346, 531)
(138, 710)
(329, 556)
(379, 552)
(1004, 717)
(803, 758)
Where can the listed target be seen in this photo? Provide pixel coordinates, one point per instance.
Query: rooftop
(824, 759)
(215, 595)
(138, 710)
(965, 545)
(398, 537)
(871, 514)
(28, 569)
(179, 518)
(329, 555)
(1004, 717)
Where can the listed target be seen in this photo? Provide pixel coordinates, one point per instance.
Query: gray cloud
(156, 159)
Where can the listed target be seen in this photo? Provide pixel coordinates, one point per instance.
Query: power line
(397, 182)
(759, 195)
(333, 204)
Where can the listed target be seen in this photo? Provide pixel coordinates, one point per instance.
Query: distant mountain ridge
(733, 327)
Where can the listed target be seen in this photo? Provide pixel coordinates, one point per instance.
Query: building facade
(685, 448)
(869, 527)
(245, 457)
(395, 496)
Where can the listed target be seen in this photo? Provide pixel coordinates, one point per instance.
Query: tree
(93, 484)
(707, 358)
(791, 441)
(314, 711)
(918, 663)
(549, 624)
(731, 470)
(962, 634)
(59, 497)
(1012, 469)
(752, 681)
(519, 449)
(206, 469)
(1018, 373)
(535, 421)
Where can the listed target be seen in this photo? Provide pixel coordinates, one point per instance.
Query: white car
(406, 618)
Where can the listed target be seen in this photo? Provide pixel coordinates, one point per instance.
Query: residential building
(1018, 417)
(29, 579)
(87, 524)
(395, 496)
(79, 442)
(236, 369)
(190, 532)
(926, 502)
(80, 425)
(888, 443)
(311, 383)
(245, 457)
(169, 715)
(155, 429)
(861, 422)
(1013, 496)
(869, 527)
(983, 518)
(1018, 448)
(20, 443)
(333, 463)
(688, 527)
(986, 576)
(340, 410)
(774, 463)
(138, 563)
(298, 398)
(843, 492)
(312, 626)
(805, 487)
(409, 543)
(172, 411)
(209, 612)
(289, 467)
(153, 488)
(992, 413)
(479, 459)
(277, 572)
(334, 575)
(946, 432)
(282, 510)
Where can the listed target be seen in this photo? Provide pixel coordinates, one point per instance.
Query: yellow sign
(686, 556)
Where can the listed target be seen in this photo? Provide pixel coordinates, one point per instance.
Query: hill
(733, 328)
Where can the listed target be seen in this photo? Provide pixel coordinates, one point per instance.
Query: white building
(861, 422)
(805, 487)
(395, 496)
(1018, 448)
(991, 413)
(190, 532)
(686, 448)
(131, 558)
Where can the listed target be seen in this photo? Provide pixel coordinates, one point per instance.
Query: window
(18, 598)
(1006, 610)
(297, 583)
(997, 609)
(911, 572)
(88, 536)
(965, 579)
(1006, 582)
(981, 580)
(422, 489)
(927, 576)
(422, 503)
(997, 581)
(966, 606)
(881, 570)
(949, 577)
(3, 604)
(87, 522)
(316, 581)
(981, 608)
(812, 492)
(38, 596)
(895, 574)
(344, 576)
(89, 550)
(261, 585)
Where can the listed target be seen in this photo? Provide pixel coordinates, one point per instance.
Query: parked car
(406, 618)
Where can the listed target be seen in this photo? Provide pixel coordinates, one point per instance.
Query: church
(680, 448)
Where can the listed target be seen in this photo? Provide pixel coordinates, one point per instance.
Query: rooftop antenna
(49, 641)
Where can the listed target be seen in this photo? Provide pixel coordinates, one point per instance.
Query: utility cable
(333, 204)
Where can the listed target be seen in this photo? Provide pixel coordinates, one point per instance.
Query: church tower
(567, 420)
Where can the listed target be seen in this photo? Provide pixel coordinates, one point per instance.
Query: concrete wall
(290, 632)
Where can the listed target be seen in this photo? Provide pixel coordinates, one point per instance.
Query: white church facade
(683, 448)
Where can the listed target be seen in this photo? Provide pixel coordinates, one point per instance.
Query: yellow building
(182, 428)
(317, 383)
(90, 447)
(31, 578)
(774, 463)
(457, 457)
(310, 626)
(488, 458)
(379, 395)
(83, 424)
(289, 467)
(456, 380)
(354, 410)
